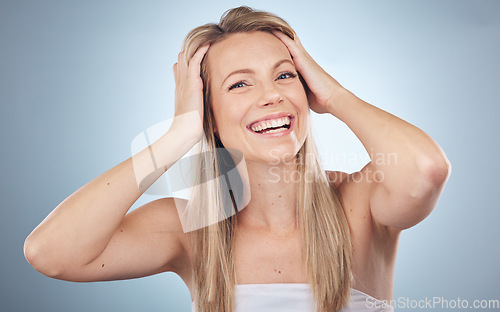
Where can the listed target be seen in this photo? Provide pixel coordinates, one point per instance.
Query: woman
(306, 239)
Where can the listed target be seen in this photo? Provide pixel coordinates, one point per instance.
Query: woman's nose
(270, 96)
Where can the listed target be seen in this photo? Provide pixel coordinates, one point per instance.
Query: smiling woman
(299, 238)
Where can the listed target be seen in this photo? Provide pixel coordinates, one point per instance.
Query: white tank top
(294, 297)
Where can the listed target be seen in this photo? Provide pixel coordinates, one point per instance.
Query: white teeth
(274, 130)
(271, 124)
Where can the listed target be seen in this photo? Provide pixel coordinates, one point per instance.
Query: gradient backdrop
(80, 79)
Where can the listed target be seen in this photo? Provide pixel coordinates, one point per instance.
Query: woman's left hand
(322, 87)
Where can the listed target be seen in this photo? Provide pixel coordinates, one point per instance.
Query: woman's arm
(88, 237)
(408, 169)
(80, 229)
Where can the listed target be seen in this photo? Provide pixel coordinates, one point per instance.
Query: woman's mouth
(273, 127)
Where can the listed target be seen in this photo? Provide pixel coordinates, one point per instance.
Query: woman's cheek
(231, 119)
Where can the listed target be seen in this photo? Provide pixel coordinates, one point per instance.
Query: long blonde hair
(324, 228)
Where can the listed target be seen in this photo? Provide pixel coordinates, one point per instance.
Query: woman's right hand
(188, 116)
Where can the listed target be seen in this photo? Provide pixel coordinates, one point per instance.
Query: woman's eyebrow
(251, 71)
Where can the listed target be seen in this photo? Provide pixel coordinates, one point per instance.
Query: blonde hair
(324, 228)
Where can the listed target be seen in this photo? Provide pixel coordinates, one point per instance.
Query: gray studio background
(80, 79)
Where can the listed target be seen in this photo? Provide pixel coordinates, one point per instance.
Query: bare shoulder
(374, 246)
(350, 187)
(354, 192)
(161, 216)
(336, 177)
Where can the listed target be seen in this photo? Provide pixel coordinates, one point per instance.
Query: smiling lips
(273, 123)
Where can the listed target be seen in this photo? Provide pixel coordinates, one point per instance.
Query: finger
(195, 61)
(288, 42)
(182, 62)
(297, 41)
(284, 37)
(200, 53)
(176, 75)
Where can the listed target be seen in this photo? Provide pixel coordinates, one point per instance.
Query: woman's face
(260, 106)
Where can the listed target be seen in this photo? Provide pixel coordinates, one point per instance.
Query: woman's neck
(273, 189)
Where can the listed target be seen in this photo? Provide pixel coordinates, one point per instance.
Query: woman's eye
(287, 75)
(237, 85)
(281, 76)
